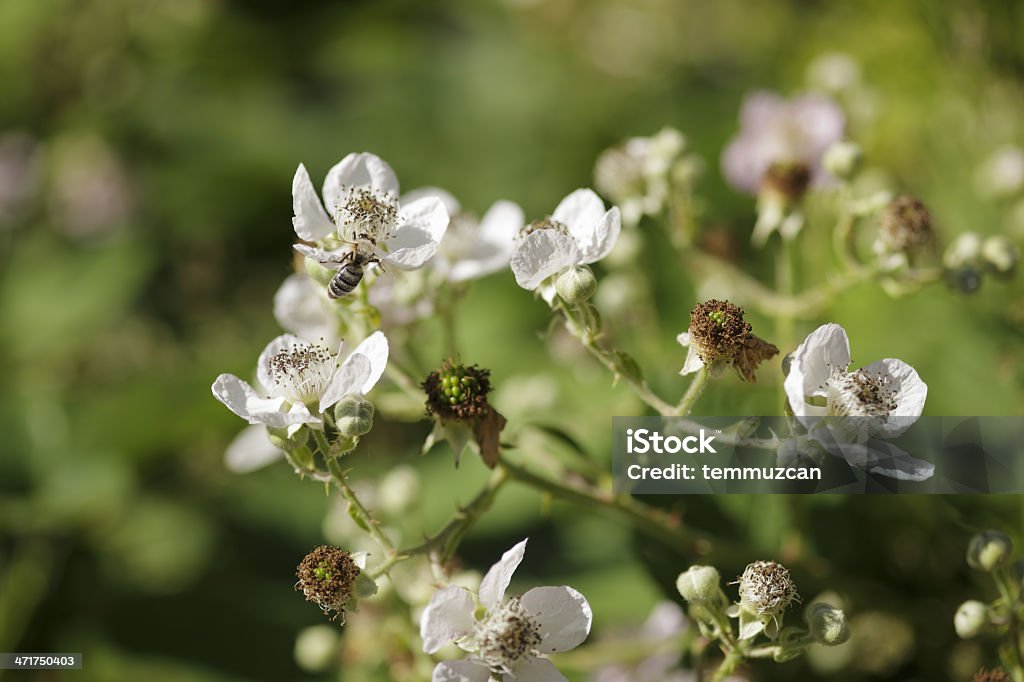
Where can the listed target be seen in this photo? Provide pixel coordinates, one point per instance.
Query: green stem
(1004, 582)
(358, 510)
(729, 665)
(693, 393)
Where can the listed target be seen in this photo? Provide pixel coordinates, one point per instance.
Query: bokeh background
(146, 155)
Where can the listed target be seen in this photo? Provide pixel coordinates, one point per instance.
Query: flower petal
(535, 670)
(495, 582)
(363, 170)
(451, 204)
(319, 255)
(693, 362)
(311, 221)
(427, 214)
(824, 349)
(502, 222)
(580, 211)
(250, 450)
(375, 348)
(240, 398)
(542, 254)
(448, 616)
(299, 308)
(885, 459)
(460, 671)
(347, 380)
(563, 614)
(910, 393)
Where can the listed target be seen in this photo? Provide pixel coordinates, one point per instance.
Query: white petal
(693, 362)
(411, 257)
(824, 349)
(428, 214)
(501, 223)
(460, 671)
(375, 348)
(362, 170)
(240, 398)
(359, 559)
(494, 584)
(299, 308)
(541, 254)
(535, 670)
(563, 614)
(281, 343)
(319, 255)
(580, 212)
(311, 221)
(910, 392)
(603, 237)
(448, 616)
(347, 380)
(250, 450)
(450, 202)
(885, 459)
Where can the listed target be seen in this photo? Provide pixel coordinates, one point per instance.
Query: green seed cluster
(458, 392)
(327, 577)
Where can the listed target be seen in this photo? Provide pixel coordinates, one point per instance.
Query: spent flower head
(719, 336)
(457, 399)
(906, 226)
(766, 592)
(334, 580)
(505, 637)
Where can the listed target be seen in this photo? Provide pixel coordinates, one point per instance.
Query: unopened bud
(576, 285)
(354, 416)
(1000, 254)
(843, 159)
(970, 619)
(827, 624)
(699, 583)
(989, 550)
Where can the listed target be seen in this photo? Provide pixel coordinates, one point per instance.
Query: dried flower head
(327, 576)
(457, 392)
(718, 335)
(766, 587)
(994, 675)
(906, 225)
(787, 180)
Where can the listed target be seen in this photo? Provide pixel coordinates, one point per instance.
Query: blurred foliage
(146, 154)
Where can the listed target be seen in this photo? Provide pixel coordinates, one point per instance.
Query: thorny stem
(729, 665)
(357, 509)
(607, 357)
(693, 393)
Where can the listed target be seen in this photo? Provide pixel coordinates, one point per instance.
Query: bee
(350, 268)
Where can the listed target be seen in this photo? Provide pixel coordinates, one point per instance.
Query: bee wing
(319, 255)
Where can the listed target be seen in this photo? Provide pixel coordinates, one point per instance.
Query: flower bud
(970, 619)
(827, 624)
(843, 159)
(354, 416)
(1000, 254)
(964, 250)
(989, 550)
(576, 285)
(699, 583)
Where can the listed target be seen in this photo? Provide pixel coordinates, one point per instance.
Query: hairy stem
(693, 393)
(358, 510)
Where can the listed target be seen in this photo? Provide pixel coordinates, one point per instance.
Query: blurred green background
(146, 153)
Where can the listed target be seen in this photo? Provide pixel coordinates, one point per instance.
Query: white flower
(636, 174)
(298, 375)
(505, 638)
(579, 232)
(301, 306)
(879, 401)
(473, 248)
(361, 196)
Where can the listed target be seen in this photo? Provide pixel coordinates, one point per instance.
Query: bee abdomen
(345, 280)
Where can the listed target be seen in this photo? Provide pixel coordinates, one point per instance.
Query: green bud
(699, 583)
(353, 416)
(1000, 254)
(576, 285)
(971, 619)
(843, 159)
(989, 550)
(827, 624)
